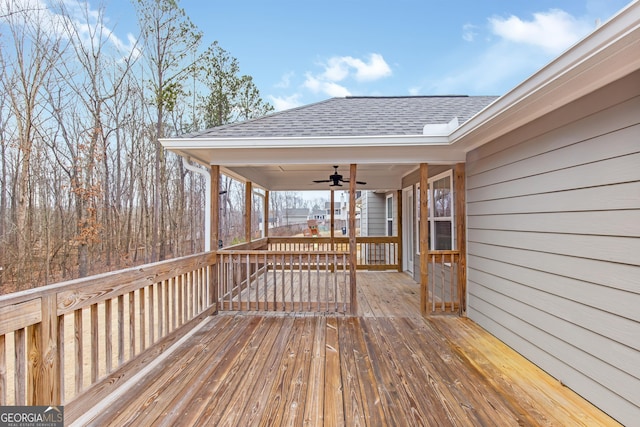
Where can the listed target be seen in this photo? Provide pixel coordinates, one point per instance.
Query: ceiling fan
(336, 179)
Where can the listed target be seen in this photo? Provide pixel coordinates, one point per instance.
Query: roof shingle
(355, 116)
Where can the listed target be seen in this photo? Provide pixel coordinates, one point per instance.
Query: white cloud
(318, 85)
(285, 103)
(336, 69)
(469, 32)
(517, 49)
(345, 68)
(553, 31)
(77, 16)
(339, 68)
(285, 80)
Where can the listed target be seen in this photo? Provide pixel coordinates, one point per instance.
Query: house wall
(372, 214)
(554, 244)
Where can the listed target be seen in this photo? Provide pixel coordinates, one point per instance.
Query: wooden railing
(61, 340)
(443, 282)
(57, 341)
(293, 280)
(372, 253)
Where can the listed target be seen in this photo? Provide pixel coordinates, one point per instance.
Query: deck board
(386, 366)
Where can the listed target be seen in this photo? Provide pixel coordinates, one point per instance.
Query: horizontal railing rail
(292, 281)
(56, 341)
(372, 252)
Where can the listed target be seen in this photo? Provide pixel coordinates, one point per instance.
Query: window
(441, 211)
(389, 215)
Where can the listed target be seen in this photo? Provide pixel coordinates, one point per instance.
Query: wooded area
(85, 187)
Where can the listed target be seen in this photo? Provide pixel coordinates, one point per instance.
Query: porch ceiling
(293, 165)
(300, 177)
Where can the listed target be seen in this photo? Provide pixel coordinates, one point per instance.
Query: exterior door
(408, 250)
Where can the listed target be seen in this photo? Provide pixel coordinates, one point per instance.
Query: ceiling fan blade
(357, 182)
(322, 180)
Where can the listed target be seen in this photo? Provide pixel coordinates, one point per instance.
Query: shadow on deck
(386, 366)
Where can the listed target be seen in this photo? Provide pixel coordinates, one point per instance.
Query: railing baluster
(265, 276)
(20, 367)
(335, 280)
(108, 342)
(94, 343)
(275, 283)
(291, 273)
(200, 291)
(300, 282)
(231, 281)
(318, 300)
(173, 285)
(326, 281)
(442, 292)
(167, 294)
(248, 274)
(132, 324)
(237, 284)
(283, 277)
(160, 305)
(451, 271)
(308, 263)
(152, 322)
(3, 371)
(79, 362)
(60, 342)
(143, 325)
(347, 287)
(120, 330)
(180, 304)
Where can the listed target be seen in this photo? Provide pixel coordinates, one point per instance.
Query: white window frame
(432, 218)
(388, 215)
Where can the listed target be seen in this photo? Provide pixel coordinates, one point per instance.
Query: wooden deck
(387, 366)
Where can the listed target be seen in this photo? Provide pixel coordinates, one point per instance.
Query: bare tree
(93, 87)
(169, 37)
(37, 49)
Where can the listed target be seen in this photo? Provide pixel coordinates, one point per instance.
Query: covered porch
(319, 274)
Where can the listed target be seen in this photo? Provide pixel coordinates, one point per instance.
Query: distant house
(547, 178)
(295, 216)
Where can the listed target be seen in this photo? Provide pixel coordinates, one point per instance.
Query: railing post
(248, 210)
(424, 238)
(461, 235)
(43, 368)
(400, 232)
(215, 224)
(352, 240)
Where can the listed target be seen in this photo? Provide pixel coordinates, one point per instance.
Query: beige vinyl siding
(554, 245)
(373, 219)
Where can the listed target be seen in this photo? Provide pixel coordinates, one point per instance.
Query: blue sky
(299, 52)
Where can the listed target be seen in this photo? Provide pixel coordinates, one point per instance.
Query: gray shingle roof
(355, 116)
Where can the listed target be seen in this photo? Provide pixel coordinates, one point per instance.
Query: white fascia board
(322, 155)
(303, 142)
